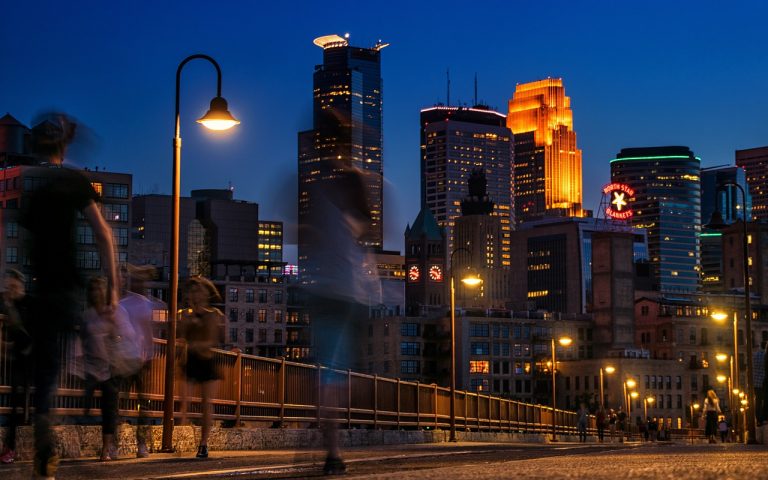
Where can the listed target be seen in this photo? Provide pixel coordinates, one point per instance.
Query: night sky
(641, 73)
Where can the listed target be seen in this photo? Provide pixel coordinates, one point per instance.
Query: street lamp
(470, 281)
(609, 369)
(217, 118)
(717, 223)
(693, 406)
(564, 341)
(646, 401)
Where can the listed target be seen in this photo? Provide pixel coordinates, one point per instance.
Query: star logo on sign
(618, 200)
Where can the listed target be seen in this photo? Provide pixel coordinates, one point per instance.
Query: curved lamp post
(609, 370)
(564, 341)
(470, 281)
(717, 223)
(217, 118)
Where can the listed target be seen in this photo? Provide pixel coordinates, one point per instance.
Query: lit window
(479, 366)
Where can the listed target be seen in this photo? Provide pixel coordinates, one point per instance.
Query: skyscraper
(754, 161)
(454, 141)
(547, 160)
(667, 203)
(346, 133)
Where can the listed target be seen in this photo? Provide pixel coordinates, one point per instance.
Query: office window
(249, 315)
(233, 335)
(262, 296)
(11, 230)
(478, 329)
(278, 336)
(11, 255)
(249, 335)
(120, 236)
(262, 315)
(85, 260)
(278, 316)
(116, 190)
(115, 212)
(85, 235)
(249, 295)
(409, 329)
(479, 348)
(478, 384)
(262, 335)
(409, 366)
(233, 314)
(409, 348)
(233, 295)
(278, 296)
(478, 366)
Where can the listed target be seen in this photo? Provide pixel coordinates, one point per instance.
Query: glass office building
(667, 203)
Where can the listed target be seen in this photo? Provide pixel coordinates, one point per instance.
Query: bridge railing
(257, 389)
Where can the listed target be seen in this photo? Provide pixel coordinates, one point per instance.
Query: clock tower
(425, 271)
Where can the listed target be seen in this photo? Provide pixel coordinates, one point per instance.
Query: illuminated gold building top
(542, 109)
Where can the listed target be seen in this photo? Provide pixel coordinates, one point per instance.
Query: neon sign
(618, 204)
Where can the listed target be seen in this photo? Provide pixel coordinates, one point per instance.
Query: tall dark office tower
(667, 203)
(754, 161)
(346, 133)
(454, 141)
(727, 200)
(547, 160)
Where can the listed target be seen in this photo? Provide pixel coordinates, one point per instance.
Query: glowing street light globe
(719, 316)
(609, 369)
(218, 116)
(564, 341)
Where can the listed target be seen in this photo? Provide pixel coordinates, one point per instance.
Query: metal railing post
(238, 386)
(418, 404)
(281, 391)
(435, 407)
(397, 401)
(349, 398)
(375, 401)
(319, 393)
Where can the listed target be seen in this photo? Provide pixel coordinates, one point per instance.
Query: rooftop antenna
(475, 88)
(448, 87)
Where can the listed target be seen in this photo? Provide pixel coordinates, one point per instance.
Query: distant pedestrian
(711, 412)
(18, 345)
(722, 428)
(612, 420)
(621, 424)
(201, 326)
(49, 213)
(653, 429)
(601, 421)
(582, 418)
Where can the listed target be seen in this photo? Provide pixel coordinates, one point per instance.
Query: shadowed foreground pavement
(442, 462)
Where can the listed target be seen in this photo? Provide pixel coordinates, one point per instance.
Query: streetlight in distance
(693, 406)
(564, 341)
(469, 280)
(717, 223)
(646, 401)
(609, 370)
(217, 118)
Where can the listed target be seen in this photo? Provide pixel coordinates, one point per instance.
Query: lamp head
(472, 280)
(609, 369)
(634, 394)
(650, 399)
(696, 406)
(719, 316)
(716, 222)
(631, 383)
(218, 116)
(721, 357)
(564, 341)
(722, 378)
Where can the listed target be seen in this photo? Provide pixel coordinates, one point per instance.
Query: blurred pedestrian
(97, 337)
(601, 421)
(722, 428)
(49, 213)
(139, 310)
(337, 291)
(711, 412)
(653, 429)
(18, 345)
(201, 325)
(612, 419)
(622, 424)
(582, 418)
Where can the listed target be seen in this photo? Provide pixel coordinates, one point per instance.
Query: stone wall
(74, 441)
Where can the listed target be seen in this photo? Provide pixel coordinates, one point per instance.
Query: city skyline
(113, 66)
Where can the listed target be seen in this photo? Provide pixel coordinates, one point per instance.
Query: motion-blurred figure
(336, 289)
(201, 325)
(49, 213)
(97, 334)
(139, 310)
(13, 319)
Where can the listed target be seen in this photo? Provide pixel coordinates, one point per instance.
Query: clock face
(436, 273)
(413, 273)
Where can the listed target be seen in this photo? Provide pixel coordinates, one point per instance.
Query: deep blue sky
(638, 73)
